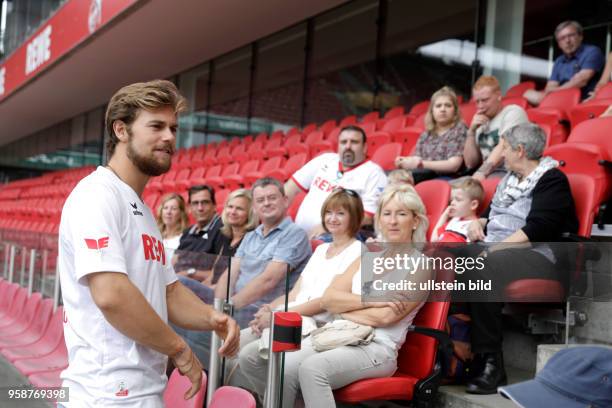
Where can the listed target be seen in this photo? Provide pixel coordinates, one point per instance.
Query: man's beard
(148, 165)
(348, 158)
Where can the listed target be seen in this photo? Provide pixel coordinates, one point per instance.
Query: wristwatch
(191, 271)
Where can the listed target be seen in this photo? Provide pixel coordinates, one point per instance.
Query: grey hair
(568, 23)
(267, 181)
(530, 135)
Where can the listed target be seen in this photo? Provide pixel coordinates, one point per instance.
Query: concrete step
(454, 396)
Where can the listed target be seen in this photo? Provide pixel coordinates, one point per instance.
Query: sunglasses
(348, 191)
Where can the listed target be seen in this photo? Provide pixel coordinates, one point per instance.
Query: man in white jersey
(348, 169)
(118, 286)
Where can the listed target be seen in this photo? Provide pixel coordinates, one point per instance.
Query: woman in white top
(401, 219)
(172, 220)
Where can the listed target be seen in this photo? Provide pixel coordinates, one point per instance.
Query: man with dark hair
(579, 67)
(118, 287)
(349, 168)
(201, 237)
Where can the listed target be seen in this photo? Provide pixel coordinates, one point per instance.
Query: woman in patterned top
(439, 150)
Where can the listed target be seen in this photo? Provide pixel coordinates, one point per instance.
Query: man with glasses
(349, 168)
(579, 67)
(200, 238)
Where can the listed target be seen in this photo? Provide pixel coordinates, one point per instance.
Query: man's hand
(478, 120)
(188, 365)
(228, 330)
(475, 231)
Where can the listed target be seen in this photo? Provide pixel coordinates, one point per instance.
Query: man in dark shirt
(203, 237)
(579, 67)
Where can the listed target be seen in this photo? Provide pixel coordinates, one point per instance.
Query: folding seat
(327, 126)
(6, 297)
(435, 195)
(550, 140)
(418, 372)
(385, 155)
(420, 121)
(332, 137)
(175, 391)
(213, 171)
(558, 131)
(197, 160)
(56, 359)
(35, 329)
(53, 336)
(236, 181)
(295, 204)
(368, 127)
(419, 108)
(261, 138)
(377, 139)
(489, 185)
(228, 396)
(15, 308)
(515, 100)
(324, 146)
(223, 155)
(588, 110)
(182, 178)
(256, 150)
(48, 379)
(468, 110)
(370, 117)
(309, 128)
(557, 104)
(234, 141)
(267, 166)
(217, 182)
(247, 140)
(348, 120)
(393, 124)
(293, 164)
(210, 157)
(519, 89)
(239, 153)
(151, 200)
(605, 92)
(394, 112)
(408, 138)
(223, 143)
(292, 131)
(276, 148)
(24, 319)
(584, 192)
(221, 197)
(307, 145)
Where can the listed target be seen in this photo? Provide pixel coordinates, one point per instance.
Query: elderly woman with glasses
(401, 218)
(532, 205)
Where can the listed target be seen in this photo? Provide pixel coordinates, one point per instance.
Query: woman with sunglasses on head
(401, 219)
(341, 216)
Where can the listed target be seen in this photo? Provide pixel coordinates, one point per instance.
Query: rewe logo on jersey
(153, 249)
(96, 243)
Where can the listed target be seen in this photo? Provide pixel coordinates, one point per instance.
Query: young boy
(466, 196)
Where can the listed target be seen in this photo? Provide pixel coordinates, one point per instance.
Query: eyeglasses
(348, 191)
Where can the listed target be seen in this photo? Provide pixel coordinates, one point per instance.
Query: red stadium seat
(376, 140)
(221, 197)
(394, 124)
(34, 331)
(269, 165)
(309, 128)
(279, 148)
(24, 320)
(217, 182)
(228, 396)
(468, 110)
(370, 117)
(212, 172)
(419, 108)
(236, 181)
(489, 185)
(327, 127)
(256, 150)
(49, 379)
(605, 92)
(385, 155)
(558, 104)
(176, 388)
(515, 100)
(349, 120)
(394, 112)
(435, 195)
(15, 308)
(292, 165)
(519, 89)
(417, 377)
(295, 204)
(56, 359)
(54, 334)
(588, 110)
(224, 156)
(584, 192)
(408, 138)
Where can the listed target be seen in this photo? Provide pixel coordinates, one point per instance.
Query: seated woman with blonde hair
(171, 220)
(439, 150)
(401, 219)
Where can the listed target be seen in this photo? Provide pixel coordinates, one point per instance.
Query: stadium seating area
(32, 337)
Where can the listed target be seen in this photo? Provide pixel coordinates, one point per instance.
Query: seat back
(295, 163)
(435, 195)
(584, 192)
(595, 131)
(232, 397)
(249, 166)
(272, 163)
(231, 168)
(519, 89)
(419, 108)
(376, 140)
(385, 155)
(7, 297)
(587, 111)
(605, 92)
(295, 204)
(394, 112)
(564, 99)
(176, 388)
(418, 353)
